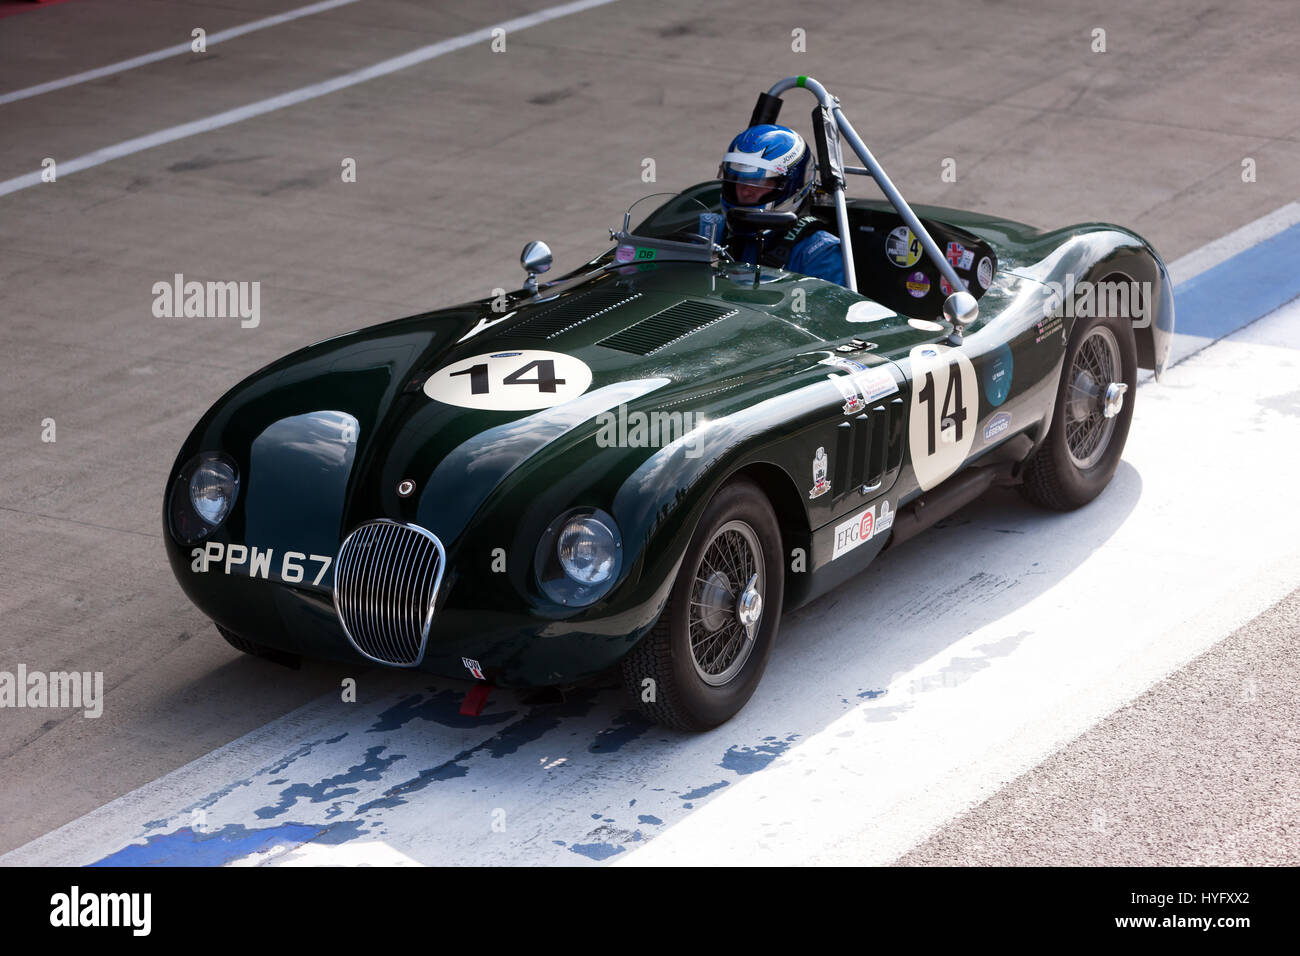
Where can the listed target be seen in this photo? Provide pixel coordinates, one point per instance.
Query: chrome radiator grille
(385, 584)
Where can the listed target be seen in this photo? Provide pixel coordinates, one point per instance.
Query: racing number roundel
(510, 381)
(945, 409)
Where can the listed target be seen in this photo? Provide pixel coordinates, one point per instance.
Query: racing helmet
(767, 168)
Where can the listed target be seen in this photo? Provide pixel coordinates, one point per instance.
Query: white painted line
(301, 95)
(1225, 247)
(168, 52)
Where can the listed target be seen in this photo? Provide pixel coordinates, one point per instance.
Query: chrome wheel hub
(749, 608)
(1115, 398)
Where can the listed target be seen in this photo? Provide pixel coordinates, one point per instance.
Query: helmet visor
(747, 188)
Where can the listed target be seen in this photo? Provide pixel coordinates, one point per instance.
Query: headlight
(212, 491)
(587, 550)
(578, 557)
(202, 495)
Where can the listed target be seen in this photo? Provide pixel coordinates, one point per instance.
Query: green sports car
(639, 465)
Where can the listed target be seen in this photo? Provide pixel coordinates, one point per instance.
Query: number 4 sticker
(941, 424)
(510, 381)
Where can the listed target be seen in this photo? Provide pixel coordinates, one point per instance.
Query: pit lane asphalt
(460, 160)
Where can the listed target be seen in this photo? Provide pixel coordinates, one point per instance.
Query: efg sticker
(996, 427)
(867, 312)
(903, 248)
(918, 285)
(997, 375)
(510, 381)
(861, 528)
(925, 325)
(942, 421)
(820, 484)
(985, 272)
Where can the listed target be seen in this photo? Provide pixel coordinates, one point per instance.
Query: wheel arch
(791, 517)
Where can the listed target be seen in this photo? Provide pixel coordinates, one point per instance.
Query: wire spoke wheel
(1097, 364)
(720, 640)
(706, 653)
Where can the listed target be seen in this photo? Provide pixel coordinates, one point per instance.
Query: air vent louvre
(664, 328)
(571, 313)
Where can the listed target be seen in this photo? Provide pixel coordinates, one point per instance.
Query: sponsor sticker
(902, 248)
(884, 520)
(624, 254)
(996, 426)
(862, 385)
(985, 272)
(849, 365)
(946, 287)
(960, 256)
(918, 285)
(875, 383)
(861, 528)
(997, 375)
(853, 402)
(473, 667)
(820, 484)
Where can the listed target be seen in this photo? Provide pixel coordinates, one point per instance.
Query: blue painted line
(1236, 292)
(188, 848)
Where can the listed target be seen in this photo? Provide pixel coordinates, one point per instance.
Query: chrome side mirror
(536, 259)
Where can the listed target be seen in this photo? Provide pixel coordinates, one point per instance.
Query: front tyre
(703, 659)
(1094, 407)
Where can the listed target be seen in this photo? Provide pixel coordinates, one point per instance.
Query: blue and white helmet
(767, 168)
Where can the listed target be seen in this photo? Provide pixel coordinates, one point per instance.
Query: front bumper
(511, 648)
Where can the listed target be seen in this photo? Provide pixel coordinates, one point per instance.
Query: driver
(769, 168)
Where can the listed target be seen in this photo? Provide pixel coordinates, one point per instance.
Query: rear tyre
(703, 659)
(1094, 407)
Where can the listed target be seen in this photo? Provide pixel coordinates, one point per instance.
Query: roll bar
(830, 125)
